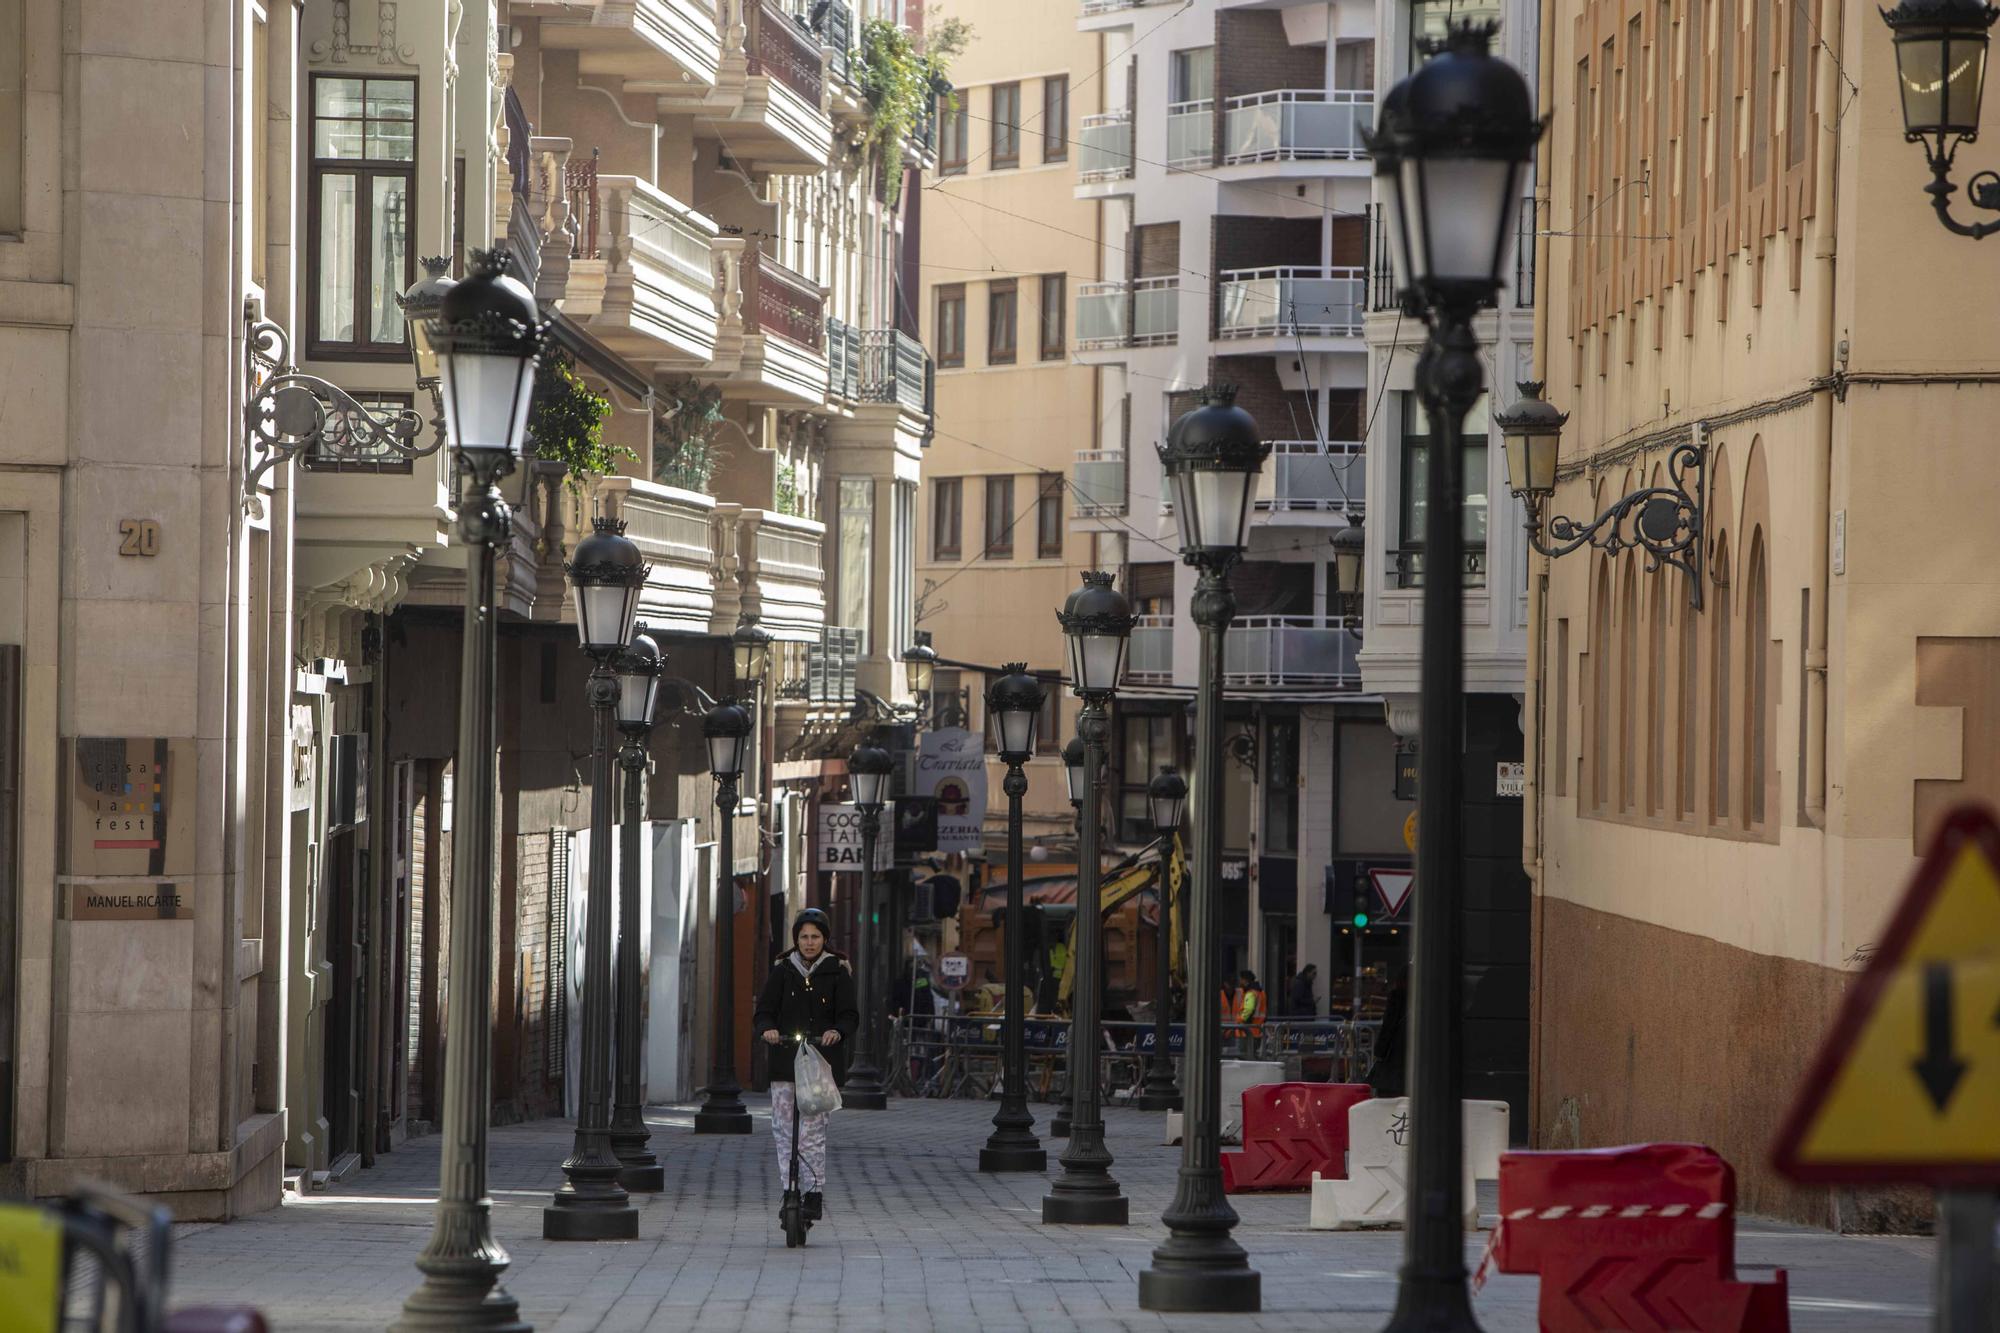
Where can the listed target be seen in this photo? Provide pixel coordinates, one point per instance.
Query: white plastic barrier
(1378, 1155)
(1236, 1076)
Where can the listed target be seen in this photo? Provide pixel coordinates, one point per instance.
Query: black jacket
(795, 1001)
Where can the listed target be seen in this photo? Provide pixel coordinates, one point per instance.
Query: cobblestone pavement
(915, 1238)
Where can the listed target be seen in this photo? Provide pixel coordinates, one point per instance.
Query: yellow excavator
(1123, 883)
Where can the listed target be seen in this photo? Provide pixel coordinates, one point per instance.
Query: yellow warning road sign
(1906, 1086)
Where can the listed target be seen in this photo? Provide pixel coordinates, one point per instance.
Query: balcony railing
(894, 369)
(1296, 125)
(1128, 314)
(1111, 6)
(1406, 567)
(783, 48)
(829, 667)
(674, 529)
(1100, 482)
(1382, 272)
(1302, 475)
(580, 184)
(1104, 151)
(1150, 654)
(1524, 255)
(837, 31)
(1289, 650)
(843, 360)
(779, 301)
(1262, 302)
(769, 566)
(1191, 133)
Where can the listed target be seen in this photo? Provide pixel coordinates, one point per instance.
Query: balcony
(1381, 265)
(1292, 302)
(657, 302)
(676, 531)
(894, 368)
(643, 42)
(1144, 313)
(1100, 483)
(1191, 133)
(843, 361)
(824, 673)
(1104, 148)
(1303, 477)
(1406, 567)
(1297, 125)
(1150, 652)
(769, 107)
(1110, 13)
(1289, 650)
(772, 347)
(769, 567)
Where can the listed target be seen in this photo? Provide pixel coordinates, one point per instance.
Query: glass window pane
(389, 226)
(336, 258)
(392, 99)
(337, 97)
(392, 140)
(857, 553)
(338, 138)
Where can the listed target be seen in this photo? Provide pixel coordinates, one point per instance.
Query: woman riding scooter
(810, 991)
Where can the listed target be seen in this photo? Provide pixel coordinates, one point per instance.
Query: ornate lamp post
(487, 335)
(1014, 702)
(1456, 137)
(919, 669)
(608, 574)
(1074, 773)
(1941, 64)
(1166, 794)
(868, 772)
(726, 729)
(1349, 552)
(638, 669)
(1097, 620)
(1212, 457)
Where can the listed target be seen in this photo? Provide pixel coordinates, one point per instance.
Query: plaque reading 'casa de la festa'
(131, 807)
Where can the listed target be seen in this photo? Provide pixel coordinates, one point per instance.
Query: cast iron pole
(1159, 1092)
(864, 1090)
(1012, 1145)
(639, 1168)
(723, 1112)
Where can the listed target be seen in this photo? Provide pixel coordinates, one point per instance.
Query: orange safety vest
(1232, 1010)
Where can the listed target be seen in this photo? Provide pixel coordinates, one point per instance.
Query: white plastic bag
(812, 1082)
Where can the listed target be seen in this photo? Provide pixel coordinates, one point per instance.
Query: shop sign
(951, 769)
(840, 837)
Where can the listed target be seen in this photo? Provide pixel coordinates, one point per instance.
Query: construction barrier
(1237, 1075)
(1370, 1193)
(1291, 1132)
(1640, 1238)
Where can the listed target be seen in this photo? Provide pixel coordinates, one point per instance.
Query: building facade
(1734, 767)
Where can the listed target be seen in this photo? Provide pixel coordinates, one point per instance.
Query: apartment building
(1735, 766)
(717, 231)
(1232, 183)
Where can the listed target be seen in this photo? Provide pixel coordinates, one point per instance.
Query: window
(1626, 737)
(1428, 18)
(1000, 323)
(1416, 442)
(1600, 690)
(999, 518)
(1192, 78)
(344, 455)
(1006, 124)
(1721, 665)
(362, 195)
(1146, 745)
(1686, 714)
(1048, 728)
(947, 708)
(13, 132)
(857, 554)
(256, 154)
(1559, 770)
(1281, 786)
(951, 136)
(1055, 118)
(1049, 517)
(947, 517)
(1656, 699)
(951, 326)
(1055, 299)
(1756, 685)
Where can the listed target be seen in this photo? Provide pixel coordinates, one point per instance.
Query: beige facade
(1725, 800)
(1006, 245)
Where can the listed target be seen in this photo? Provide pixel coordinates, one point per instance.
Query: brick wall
(1254, 242)
(1281, 414)
(1156, 250)
(1253, 56)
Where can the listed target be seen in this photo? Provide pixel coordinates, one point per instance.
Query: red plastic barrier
(1641, 1239)
(1291, 1130)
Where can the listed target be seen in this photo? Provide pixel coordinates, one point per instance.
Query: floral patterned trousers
(812, 1141)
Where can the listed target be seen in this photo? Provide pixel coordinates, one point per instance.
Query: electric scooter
(792, 1209)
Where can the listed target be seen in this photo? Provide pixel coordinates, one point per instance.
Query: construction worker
(1250, 1007)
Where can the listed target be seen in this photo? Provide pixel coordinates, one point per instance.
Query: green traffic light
(1361, 919)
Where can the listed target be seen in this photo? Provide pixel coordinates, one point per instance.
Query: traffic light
(1350, 901)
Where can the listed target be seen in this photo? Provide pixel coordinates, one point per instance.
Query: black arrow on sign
(1940, 1068)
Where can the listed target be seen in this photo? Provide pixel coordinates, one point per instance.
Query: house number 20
(138, 536)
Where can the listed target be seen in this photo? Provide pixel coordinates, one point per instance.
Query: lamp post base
(446, 1305)
(864, 1092)
(1014, 1157)
(1200, 1289)
(1087, 1210)
(722, 1113)
(1159, 1093)
(1436, 1304)
(1059, 1124)
(642, 1177)
(590, 1219)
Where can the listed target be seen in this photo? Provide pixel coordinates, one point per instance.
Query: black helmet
(812, 916)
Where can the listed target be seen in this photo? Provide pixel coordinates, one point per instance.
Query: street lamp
(608, 573)
(638, 669)
(868, 772)
(1941, 65)
(1458, 133)
(1663, 521)
(1350, 549)
(726, 729)
(751, 647)
(1166, 795)
(1077, 777)
(489, 315)
(1212, 457)
(919, 669)
(1014, 703)
(1097, 620)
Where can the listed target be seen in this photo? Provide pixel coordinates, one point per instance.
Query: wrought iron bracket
(1983, 190)
(1665, 522)
(288, 413)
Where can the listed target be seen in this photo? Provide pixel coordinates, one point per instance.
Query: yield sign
(1393, 887)
(1906, 1086)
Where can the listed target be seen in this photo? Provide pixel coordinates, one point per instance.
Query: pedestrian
(1250, 1011)
(1303, 1002)
(1386, 1074)
(809, 996)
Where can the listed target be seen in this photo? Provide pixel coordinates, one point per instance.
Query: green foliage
(688, 415)
(566, 422)
(790, 500)
(902, 80)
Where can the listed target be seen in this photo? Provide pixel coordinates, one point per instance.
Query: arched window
(1686, 706)
(1720, 663)
(1627, 736)
(1756, 684)
(1656, 681)
(1600, 691)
